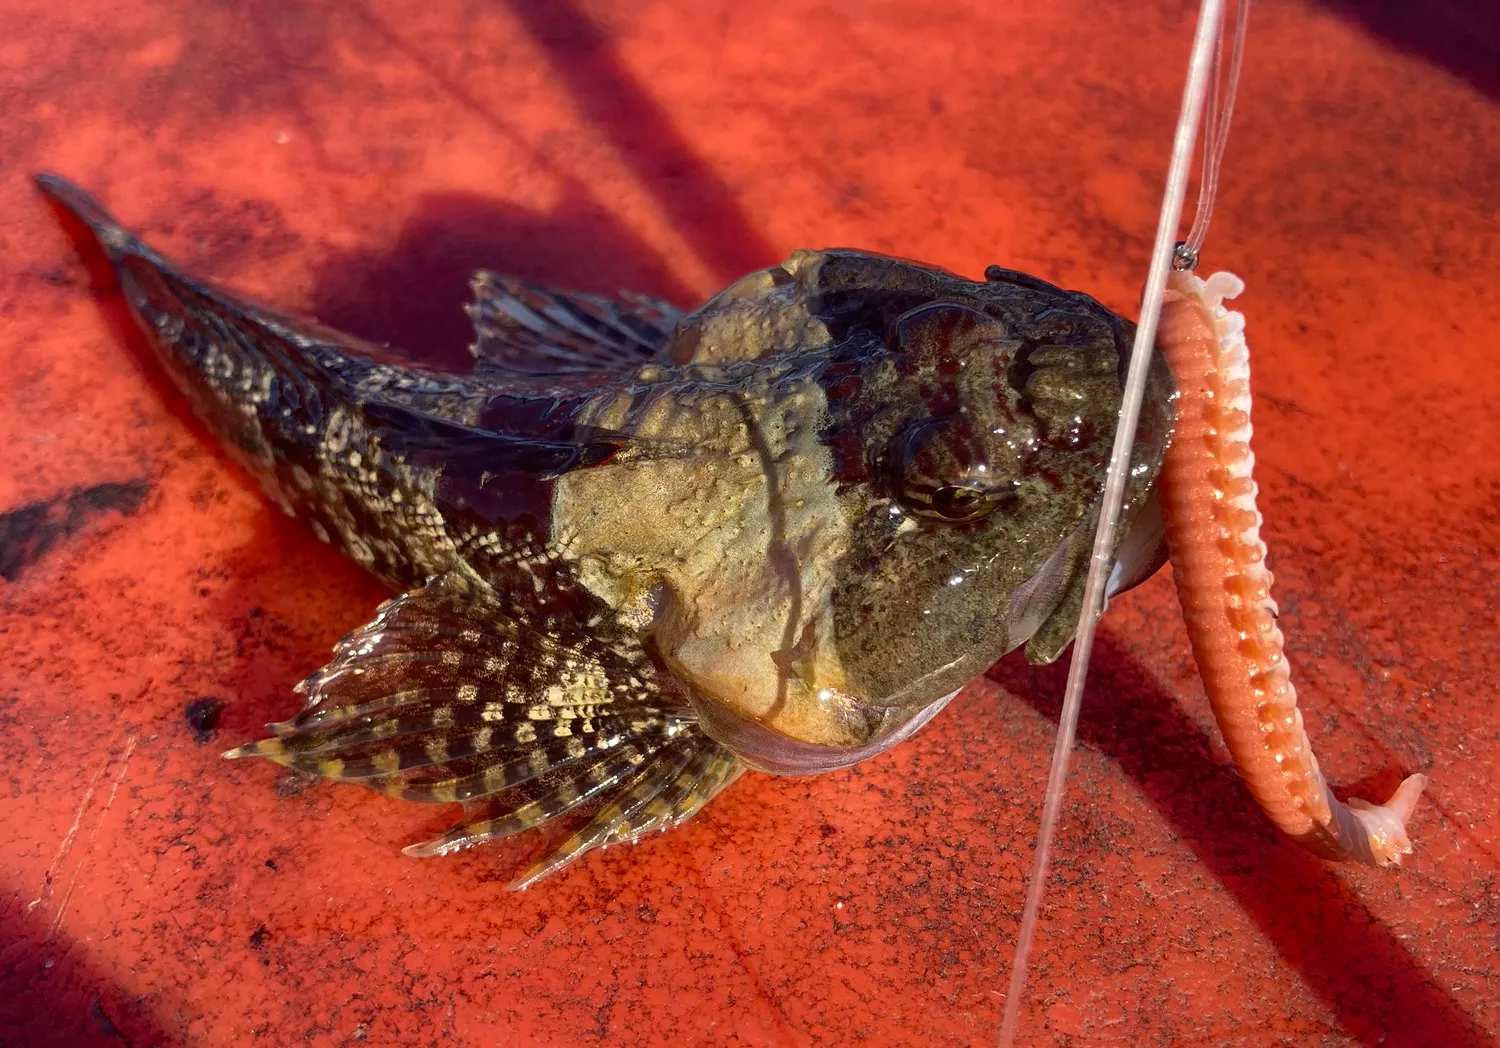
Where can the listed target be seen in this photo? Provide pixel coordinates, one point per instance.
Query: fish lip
(767, 750)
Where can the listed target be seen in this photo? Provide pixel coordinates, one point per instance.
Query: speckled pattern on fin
(444, 697)
(530, 330)
(662, 794)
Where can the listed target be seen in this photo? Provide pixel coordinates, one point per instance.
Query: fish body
(638, 551)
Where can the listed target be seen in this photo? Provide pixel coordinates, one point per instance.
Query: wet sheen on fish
(638, 551)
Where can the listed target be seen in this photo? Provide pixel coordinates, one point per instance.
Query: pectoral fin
(1140, 552)
(444, 697)
(1065, 595)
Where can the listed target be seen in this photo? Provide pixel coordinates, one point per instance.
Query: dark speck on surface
(202, 716)
(258, 942)
(102, 1021)
(270, 864)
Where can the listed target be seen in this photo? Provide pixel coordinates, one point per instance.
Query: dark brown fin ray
(525, 329)
(714, 767)
(462, 730)
(446, 697)
(450, 643)
(723, 770)
(489, 778)
(667, 791)
(562, 793)
(622, 806)
(664, 806)
(463, 768)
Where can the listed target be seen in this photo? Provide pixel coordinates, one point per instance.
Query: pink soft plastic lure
(1224, 586)
(1207, 496)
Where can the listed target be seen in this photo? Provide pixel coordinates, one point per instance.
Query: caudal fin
(114, 238)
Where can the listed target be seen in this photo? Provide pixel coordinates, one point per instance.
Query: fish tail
(115, 239)
(246, 372)
(217, 347)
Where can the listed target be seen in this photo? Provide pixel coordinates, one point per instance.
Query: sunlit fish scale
(637, 550)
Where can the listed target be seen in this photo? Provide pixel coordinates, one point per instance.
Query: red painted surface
(355, 160)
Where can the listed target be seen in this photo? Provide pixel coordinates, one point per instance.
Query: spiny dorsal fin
(531, 330)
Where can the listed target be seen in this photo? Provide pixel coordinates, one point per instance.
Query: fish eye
(958, 502)
(953, 503)
(939, 473)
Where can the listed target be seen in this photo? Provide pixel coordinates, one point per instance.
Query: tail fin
(114, 238)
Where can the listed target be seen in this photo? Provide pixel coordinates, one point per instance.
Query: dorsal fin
(526, 329)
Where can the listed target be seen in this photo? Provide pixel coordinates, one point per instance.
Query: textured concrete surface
(355, 160)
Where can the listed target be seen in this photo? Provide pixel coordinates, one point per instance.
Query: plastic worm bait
(1218, 557)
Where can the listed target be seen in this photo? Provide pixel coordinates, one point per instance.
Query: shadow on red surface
(1348, 957)
(698, 201)
(1461, 36)
(46, 974)
(412, 296)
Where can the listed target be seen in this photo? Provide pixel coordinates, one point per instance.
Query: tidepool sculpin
(639, 551)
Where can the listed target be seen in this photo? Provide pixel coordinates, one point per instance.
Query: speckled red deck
(355, 160)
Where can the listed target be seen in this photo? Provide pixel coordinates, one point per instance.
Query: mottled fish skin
(382, 459)
(806, 567)
(638, 551)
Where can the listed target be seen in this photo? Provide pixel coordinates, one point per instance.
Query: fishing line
(1215, 134)
(1203, 67)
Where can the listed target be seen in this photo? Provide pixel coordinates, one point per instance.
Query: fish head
(965, 430)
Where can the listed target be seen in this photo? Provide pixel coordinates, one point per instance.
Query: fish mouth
(797, 714)
(825, 728)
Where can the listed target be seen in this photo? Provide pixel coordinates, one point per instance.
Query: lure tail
(1224, 586)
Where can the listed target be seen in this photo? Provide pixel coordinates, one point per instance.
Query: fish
(637, 552)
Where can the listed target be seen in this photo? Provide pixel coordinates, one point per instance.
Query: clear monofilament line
(1101, 561)
(1216, 132)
